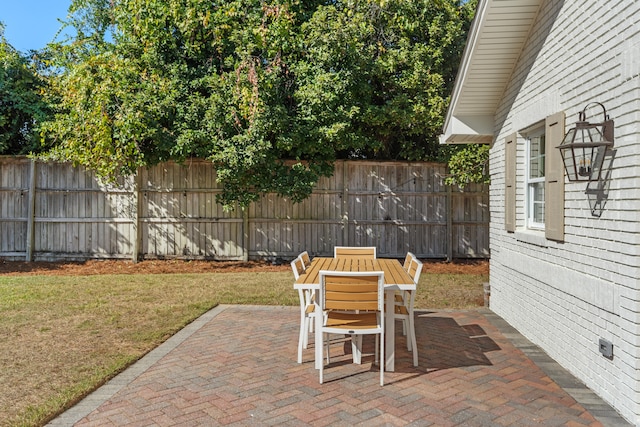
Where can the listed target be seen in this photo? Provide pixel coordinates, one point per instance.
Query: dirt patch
(99, 267)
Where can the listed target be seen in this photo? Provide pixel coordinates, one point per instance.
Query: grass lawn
(63, 336)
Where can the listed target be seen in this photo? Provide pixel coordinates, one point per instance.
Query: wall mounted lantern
(584, 146)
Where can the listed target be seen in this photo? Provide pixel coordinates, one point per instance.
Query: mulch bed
(97, 267)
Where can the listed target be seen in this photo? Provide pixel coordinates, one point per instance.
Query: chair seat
(401, 309)
(348, 321)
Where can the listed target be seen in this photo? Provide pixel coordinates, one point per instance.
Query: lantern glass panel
(591, 134)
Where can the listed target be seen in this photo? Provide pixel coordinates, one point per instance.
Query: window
(535, 178)
(543, 175)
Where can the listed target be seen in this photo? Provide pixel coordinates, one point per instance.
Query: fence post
(345, 205)
(31, 212)
(245, 234)
(136, 216)
(449, 223)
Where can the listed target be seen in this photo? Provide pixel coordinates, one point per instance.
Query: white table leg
(389, 332)
(356, 348)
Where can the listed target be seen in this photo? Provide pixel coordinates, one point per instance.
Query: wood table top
(394, 274)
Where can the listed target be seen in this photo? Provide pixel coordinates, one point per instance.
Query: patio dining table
(395, 279)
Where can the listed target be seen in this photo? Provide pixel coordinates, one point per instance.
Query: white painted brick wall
(565, 296)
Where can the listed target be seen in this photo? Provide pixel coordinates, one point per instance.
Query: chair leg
(412, 333)
(321, 368)
(382, 359)
(376, 355)
(307, 328)
(311, 325)
(301, 338)
(327, 339)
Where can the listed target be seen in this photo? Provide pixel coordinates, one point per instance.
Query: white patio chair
(354, 305)
(307, 308)
(404, 310)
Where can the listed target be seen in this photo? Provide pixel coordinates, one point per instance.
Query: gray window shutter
(510, 182)
(554, 178)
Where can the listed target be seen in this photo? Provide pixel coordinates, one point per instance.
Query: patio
(236, 365)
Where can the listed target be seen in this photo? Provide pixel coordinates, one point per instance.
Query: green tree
(272, 92)
(387, 69)
(469, 164)
(22, 105)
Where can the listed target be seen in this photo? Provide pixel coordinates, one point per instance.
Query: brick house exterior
(564, 255)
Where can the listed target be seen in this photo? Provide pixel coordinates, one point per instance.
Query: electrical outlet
(606, 348)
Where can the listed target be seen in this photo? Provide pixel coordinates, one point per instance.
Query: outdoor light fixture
(584, 146)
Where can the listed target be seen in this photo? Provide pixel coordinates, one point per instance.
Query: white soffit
(496, 39)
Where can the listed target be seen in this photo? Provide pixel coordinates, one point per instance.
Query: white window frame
(535, 131)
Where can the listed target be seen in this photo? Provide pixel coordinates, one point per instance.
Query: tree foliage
(469, 164)
(272, 92)
(22, 105)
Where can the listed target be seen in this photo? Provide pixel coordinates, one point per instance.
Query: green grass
(63, 336)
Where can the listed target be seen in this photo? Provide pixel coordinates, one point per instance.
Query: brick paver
(239, 368)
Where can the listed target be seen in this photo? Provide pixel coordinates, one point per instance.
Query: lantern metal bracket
(607, 123)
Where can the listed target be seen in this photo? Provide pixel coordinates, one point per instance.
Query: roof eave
(493, 42)
(468, 130)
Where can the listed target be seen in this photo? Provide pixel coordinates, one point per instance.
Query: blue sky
(31, 24)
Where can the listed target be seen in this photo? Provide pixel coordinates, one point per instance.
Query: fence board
(14, 196)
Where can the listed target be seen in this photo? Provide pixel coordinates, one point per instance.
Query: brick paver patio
(237, 366)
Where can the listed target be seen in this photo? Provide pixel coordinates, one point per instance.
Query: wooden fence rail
(54, 211)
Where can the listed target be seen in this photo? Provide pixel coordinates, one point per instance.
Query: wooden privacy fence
(54, 211)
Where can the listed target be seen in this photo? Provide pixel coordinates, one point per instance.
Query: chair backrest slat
(415, 268)
(306, 260)
(298, 267)
(355, 252)
(351, 305)
(407, 261)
